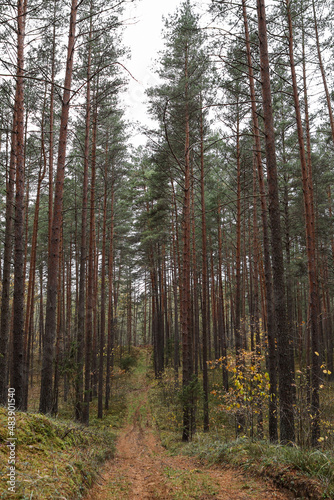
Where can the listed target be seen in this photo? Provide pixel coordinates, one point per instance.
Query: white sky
(143, 37)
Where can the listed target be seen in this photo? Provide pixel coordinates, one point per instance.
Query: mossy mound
(54, 458)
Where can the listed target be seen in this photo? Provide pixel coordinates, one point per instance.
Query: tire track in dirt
(142, 469)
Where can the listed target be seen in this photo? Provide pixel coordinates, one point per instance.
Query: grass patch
(119, 487)
(308, 473)
(112, 418)
(54, 459)
(190, 483)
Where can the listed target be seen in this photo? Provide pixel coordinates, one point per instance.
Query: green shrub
(127, 362)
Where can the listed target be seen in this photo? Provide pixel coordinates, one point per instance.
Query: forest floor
(142, 468)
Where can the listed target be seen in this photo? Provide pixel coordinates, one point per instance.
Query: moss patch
(54, 459)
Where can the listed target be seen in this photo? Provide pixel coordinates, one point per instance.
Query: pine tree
(285, 370)
(53, 262)
(177, 104)
(16, 375)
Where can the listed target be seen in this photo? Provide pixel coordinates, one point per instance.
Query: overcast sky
(143, 37)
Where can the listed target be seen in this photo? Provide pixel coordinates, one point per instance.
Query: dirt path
(142, 469)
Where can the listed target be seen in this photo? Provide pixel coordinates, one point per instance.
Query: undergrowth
(54, 459)
(309, 473)
(57, 458)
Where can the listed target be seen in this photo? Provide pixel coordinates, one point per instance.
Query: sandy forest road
(143, 469)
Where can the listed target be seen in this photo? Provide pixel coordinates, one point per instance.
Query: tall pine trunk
(7, 265)
(16, 375)
(322, 70)
(103, 293)
(270, 313)
(187, 368)
(90, 284)
(221, 305)
(31, 286)
(45, 405)
(83, 247)
(110, 341)
(204, 291)
(285, 370)
(310, 246)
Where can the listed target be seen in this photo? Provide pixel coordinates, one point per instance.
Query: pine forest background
(213, 243)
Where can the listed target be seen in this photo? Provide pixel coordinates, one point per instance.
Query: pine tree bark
(195, 315)
(59, 330)
(270, 312)
(68, 328)
(177, 282)
(110, 342)
(176, 315)
(204, 291)
(7, 264)
(330, 358)
(221, 304)
(53, 261)
(31, 284)
(16, 374)
(103, 293)
(83, 245)
(51, 132)
(90, 284)
(160, 319)
(187, 368)
(322, 70)
(214, 301)
(239, 344)
(255, 299)
(255, 274)
(94, 369)
(41, 315)
(310, 244)
(285, 371)
(237, 325)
